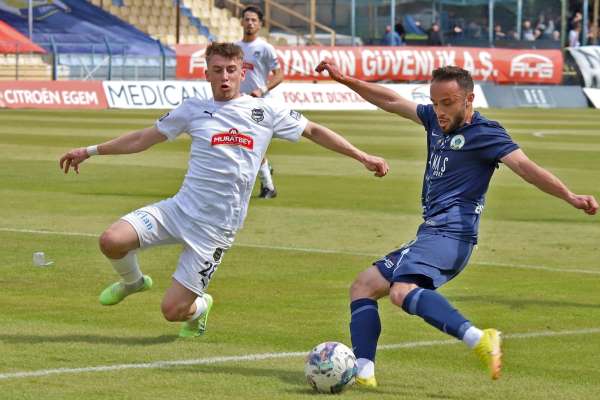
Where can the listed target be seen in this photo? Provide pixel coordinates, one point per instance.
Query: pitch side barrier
(299, 96)
(402, 63)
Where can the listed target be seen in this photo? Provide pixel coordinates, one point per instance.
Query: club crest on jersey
(233, 138)
(258, 114)
(457, 142)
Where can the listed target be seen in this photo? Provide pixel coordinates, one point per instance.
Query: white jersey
(259, 59)
(229, 141)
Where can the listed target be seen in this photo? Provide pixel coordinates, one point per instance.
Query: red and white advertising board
(52, 94)
(406, 63)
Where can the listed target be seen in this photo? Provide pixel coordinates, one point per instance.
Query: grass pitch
(283, 287)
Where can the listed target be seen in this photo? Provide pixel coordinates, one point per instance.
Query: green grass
(527, 276)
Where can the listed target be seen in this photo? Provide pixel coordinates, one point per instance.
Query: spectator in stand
(434, 36)
(457, 32)
(391, 37)
(399, 29)
(574, 35)
(498, 34)
(528, 33)
(556, 36)
(473, 30)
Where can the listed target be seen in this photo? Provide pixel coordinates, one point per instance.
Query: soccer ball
(330, 367)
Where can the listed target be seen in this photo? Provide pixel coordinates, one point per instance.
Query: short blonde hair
(226, 50)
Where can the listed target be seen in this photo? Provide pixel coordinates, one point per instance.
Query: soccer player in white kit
(259, 60)
(230, 134)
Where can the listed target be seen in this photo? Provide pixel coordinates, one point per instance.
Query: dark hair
(227, 50)
(453, 73)
(255, 10)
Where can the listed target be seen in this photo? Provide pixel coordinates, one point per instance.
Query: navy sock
(436, 311)
(365, 328)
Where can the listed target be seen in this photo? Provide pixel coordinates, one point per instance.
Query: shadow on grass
(520, 302)
(297, 385)
(91, 339)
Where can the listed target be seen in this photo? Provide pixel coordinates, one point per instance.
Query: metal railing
(104, 60)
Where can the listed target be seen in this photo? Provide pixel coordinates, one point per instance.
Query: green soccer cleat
(197, 327)
(115, 293)
(369, 383)
(488, 350)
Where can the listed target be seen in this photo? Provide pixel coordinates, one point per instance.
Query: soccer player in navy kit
(463, 149)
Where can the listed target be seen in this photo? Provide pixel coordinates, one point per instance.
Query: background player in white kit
(260, 59)
(230, 135)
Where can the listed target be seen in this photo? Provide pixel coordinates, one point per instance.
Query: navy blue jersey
(459, 167)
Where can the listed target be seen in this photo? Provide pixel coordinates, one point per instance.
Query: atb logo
(532, 65)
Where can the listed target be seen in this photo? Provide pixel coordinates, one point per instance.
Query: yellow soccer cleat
(369, 383)
(488, 350)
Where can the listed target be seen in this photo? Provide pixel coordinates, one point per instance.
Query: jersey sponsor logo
(457, 142)
(257, 54)
(248, 66)
(233, 138)
(209, 113)
(258, 114)
(295, 114)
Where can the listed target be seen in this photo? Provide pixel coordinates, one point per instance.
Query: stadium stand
(200, 21)
(20, 58)
(90, 43)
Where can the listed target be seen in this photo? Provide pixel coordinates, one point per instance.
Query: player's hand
(73, 158)
(330, 66)
(376, 164)
(584, 202)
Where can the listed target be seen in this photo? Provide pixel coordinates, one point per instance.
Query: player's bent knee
(112, 245)
(399, 291)
(109, 244)
(368, 285)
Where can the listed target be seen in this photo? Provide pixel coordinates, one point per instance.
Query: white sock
(264, 173)
(200, 308)
(472, 336)
(128, 268)
(366, 368)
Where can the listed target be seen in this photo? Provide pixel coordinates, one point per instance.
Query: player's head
(252, 19)
(452, 96)
(224, 70)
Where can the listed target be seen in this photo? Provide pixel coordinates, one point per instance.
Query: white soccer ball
(330, 367)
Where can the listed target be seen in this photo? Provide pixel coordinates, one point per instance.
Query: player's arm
(133, 142)
(330, 140)
(382, 97)
(273, 81)
(547, 182)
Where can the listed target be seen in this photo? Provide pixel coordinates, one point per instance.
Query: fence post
(163, 61)
(108, 49)
(54, 58)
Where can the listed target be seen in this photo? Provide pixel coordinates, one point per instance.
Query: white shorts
(203, 245)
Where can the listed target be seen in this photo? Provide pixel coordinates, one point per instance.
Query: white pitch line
(268, 356)
(327, 251)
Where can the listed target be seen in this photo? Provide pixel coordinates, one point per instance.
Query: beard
(455, 123)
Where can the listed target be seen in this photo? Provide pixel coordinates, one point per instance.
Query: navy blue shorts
(429, 261)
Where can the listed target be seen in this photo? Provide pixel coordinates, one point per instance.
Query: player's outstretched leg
(196, 325)
(118, 243)
(267, 187)
(438, 312)
(365, 325)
